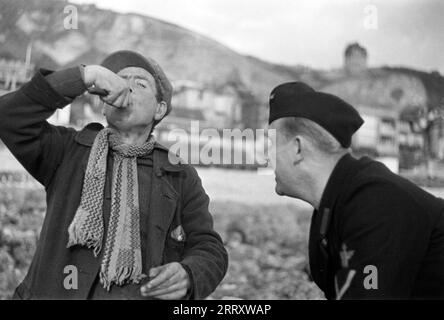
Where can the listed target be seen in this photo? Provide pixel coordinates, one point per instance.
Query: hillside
(183, 53)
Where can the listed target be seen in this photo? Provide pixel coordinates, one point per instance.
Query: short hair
(159, 97)
(320, 137)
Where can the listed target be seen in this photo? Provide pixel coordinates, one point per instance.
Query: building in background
(392, 101)
(214, 107)
(14, 73)
(384, 96)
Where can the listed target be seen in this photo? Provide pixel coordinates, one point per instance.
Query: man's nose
(131, 84)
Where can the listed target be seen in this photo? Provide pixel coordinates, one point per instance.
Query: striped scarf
(122, 258)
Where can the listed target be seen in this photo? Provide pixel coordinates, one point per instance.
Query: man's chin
(279, 191)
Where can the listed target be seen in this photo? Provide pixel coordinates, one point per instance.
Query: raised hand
(111, 88)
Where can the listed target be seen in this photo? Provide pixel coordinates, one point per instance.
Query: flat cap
(297, 99)
(122, 59)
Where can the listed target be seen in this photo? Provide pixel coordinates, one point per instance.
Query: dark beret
(296, 99)
(122, 59)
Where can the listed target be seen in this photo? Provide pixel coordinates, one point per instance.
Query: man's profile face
(143, 103)
(282, 151)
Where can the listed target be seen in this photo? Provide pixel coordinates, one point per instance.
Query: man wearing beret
(123, 221)
(373, 234)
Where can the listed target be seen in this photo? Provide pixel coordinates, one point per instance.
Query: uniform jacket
(57, 157)
(376, 235)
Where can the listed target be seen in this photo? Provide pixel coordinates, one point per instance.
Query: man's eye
(141, 84)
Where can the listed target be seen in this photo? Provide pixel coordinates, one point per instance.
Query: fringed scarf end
(77, 236)
(122, 276)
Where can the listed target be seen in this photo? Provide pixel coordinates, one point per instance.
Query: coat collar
(321, 248)
(87, 135)
(162, 156)
(344, 170)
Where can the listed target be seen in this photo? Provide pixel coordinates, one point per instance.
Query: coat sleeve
(205, 257)
(36, 144)
(384, 236)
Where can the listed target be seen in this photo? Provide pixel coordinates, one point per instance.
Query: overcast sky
(310, 32)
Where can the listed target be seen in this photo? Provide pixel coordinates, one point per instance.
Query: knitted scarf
(122, 258)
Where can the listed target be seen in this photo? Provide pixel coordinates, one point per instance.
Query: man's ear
(297, 147)
(160, 110)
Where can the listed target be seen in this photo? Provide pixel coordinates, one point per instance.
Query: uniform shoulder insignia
(345, 255)
(344, 276)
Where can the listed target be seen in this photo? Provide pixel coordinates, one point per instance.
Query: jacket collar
(87, 135)
(344, 170)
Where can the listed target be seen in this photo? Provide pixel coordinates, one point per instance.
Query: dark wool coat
(57, 157)
(376, 235)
